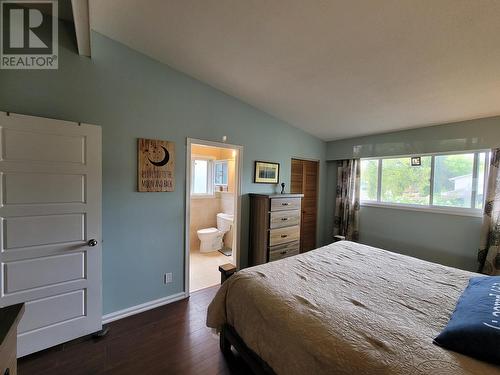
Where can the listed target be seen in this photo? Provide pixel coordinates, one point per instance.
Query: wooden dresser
(274, 227)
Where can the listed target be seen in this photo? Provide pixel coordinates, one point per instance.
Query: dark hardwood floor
(171, 339)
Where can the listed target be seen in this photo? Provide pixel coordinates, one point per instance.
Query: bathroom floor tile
(204, 269)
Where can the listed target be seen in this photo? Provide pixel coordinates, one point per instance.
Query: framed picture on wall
(266, 172)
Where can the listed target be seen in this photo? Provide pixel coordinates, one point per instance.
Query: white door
(50, 235)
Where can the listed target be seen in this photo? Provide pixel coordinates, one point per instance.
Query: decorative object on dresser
(274, 227)
(266, 172)
(9, 320)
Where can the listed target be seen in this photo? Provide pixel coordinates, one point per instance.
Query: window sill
(430, 209)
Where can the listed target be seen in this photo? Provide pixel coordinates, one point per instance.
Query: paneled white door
(50, 234)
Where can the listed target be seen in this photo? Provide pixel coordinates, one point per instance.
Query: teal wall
(132, 96)
(443, 238)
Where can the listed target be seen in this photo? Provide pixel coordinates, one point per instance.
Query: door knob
(92, 242)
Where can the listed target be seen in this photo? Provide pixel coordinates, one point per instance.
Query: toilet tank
(224, 222)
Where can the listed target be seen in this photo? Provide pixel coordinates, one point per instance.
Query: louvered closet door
(305, 180)
(50, 208)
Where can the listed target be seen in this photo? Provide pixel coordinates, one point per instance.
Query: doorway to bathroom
(213, 174)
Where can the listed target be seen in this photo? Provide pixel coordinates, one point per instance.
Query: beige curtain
(347, 202)
(489, 248)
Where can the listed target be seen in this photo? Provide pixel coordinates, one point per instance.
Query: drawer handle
(284, 204)
(284, 219)
(284, 235)
(284, 252)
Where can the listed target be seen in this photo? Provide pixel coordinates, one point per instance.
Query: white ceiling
(335, 68)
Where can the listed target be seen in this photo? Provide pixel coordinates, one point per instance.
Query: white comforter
(346, 309)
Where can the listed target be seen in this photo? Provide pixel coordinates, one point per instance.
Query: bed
(344, 308)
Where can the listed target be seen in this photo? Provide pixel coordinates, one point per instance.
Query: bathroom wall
(226, 200)
(204, 210)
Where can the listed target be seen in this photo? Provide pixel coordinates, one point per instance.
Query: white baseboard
(120, 314)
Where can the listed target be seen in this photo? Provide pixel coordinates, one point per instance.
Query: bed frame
(228, 337)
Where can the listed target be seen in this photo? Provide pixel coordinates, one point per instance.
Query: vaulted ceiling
(335, 68)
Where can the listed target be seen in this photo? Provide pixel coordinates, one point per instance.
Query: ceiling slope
(336, 69)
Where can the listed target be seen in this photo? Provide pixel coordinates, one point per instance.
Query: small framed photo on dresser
(266, 172)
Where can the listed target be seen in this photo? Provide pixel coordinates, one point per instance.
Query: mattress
(346, 308)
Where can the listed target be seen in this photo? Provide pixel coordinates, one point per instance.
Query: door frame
(237, 201)
(318, 187)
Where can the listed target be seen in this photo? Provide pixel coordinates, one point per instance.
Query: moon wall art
(156, 165)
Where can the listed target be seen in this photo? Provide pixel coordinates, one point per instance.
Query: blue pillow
(474, 326)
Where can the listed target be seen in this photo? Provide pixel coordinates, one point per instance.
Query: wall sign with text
(156, 165)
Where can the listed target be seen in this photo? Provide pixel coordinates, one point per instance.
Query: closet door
(305, 180)
(50, 237)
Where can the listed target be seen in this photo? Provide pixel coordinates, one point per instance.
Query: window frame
(221, 161)
(210, 176)
(463, 211)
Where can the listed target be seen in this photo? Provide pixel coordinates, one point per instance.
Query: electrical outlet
(167, 278)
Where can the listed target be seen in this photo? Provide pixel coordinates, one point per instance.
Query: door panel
(297, 179)
(304, 180)
(50, 208)
(42, 230)
(39, 272)
(52, 188)
(67, 330)
(51, 310)
(39, 146)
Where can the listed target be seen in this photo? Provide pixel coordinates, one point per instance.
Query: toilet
(211, 238)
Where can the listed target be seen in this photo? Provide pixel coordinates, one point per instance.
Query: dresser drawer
(278, 204)
(284, 218)
(283, 235)
(284, 251)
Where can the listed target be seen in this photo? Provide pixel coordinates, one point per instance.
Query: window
(484, 158)
(369, 178)
(220, 173)
(201, 176)
(402, 183)
(454, 181)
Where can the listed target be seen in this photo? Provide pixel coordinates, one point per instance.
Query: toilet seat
(211, 230)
